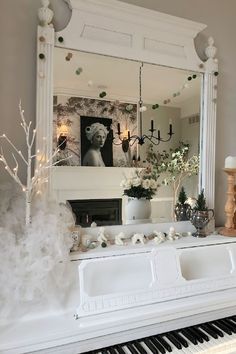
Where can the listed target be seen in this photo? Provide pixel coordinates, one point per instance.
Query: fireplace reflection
(100, 211)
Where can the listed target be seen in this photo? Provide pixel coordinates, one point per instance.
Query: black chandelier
(129, 140)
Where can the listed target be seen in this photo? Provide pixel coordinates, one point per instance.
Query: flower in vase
(140, 185)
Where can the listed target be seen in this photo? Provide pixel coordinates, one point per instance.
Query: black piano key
(164, 343)
(201, 333)
(139, 347)
(104, 351)
(158, 345)
(189, 336)
(227, 323)
(233, 324)
(150, 346)
(131, 348)
(119, 349)
(173, 340)
(180, 338)
(196, 335)
(207, 328)
(112, 350)
(221, 326)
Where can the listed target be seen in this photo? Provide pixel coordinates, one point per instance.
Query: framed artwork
(96, 141)
(74, 120)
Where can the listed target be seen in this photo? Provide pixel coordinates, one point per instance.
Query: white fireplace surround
(100, 183)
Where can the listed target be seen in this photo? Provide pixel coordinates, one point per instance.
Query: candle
(118, 128)
(170, 127)
(230, 162)
(152, 124)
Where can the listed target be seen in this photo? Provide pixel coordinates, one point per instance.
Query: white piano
(123, 295)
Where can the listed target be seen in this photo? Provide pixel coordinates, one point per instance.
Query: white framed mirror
(131, 35)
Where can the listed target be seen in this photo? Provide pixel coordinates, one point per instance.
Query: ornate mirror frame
(122, 30)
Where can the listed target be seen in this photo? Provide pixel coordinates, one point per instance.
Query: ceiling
(119, 78)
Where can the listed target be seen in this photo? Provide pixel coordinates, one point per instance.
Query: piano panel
(164, 274)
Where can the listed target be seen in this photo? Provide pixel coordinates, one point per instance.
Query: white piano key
(173, 347)
(126, 350)
(146, 348)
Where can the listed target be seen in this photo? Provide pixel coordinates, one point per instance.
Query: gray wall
(17, 70)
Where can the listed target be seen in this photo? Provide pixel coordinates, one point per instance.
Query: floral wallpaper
(66, 121)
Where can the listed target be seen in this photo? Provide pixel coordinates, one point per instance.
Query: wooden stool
(230, 206)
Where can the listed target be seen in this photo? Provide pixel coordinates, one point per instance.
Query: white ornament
(119, 239)
(211, 50)
(45, 14)
(101, 235)
(171, 231)
(93, 224)
(138, 238)
(159, 237)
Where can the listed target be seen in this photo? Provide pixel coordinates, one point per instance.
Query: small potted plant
(201, 215)
(182, 208)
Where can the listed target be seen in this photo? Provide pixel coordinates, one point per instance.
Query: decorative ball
(216, 73)
(189, 78)
(102, 94)
(60, 39)
(69, 56)
(79, 71)
(201, 66)
(103, 245)
(194, 76)
(42, 39)
(155, 106)
(41, 56)
(143, 109)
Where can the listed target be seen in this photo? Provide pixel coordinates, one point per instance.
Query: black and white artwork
(96, 141)
(75, 122)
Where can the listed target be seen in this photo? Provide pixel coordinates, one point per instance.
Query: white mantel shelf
(184, 242)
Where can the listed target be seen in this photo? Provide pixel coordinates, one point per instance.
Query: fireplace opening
(101, 211)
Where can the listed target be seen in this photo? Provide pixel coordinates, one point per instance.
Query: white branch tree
(33, 181)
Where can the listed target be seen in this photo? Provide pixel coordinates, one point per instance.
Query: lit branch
(3, 136)
(11, 172)
(40, 177)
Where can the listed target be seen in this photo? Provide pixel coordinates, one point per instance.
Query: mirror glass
(93, 94)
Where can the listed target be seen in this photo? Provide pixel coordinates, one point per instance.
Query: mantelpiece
(126, 31)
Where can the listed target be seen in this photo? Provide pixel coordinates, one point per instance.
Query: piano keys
(217, 336)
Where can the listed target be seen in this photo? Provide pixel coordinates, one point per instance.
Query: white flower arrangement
(141, 184)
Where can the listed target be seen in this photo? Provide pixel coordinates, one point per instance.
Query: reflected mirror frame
(136, 37)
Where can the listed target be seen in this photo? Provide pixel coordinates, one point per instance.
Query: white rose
(153, 184)
(191, 202)
(128, 184)
(123, 183)
(146, 184)
(136, 182)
